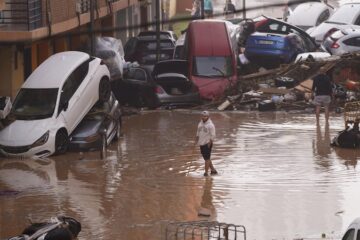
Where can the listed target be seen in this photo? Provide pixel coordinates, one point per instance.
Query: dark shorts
(206, 151)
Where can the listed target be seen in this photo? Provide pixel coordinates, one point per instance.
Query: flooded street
(278, 177)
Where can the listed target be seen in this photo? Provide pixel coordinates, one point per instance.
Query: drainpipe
(157, 6)
(202, 9)
(244, 9)
(92, 36)
(48, 16)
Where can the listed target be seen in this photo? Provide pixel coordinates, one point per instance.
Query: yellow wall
(11, 77)
(5, 74)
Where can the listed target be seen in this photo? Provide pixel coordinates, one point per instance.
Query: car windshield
(345, 14)
(212, 66)
(35, 103)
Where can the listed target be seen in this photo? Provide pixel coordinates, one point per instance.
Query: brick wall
(62, 10)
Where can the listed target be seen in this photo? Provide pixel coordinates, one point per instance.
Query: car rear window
(150, 58)
(151, 45)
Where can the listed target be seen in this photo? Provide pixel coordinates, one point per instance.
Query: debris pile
(289, 86)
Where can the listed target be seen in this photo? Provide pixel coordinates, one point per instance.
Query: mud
(278, 177)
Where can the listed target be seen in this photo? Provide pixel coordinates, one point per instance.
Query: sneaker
(206, 174)
(214, 172)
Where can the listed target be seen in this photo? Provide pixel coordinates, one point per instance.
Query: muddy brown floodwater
(278, 177)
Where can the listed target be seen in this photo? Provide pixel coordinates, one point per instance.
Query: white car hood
(22, 133)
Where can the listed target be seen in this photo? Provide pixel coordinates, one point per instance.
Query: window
(213, 66)
(357, 22)
(73, 82)
(355, 42)
(140, 75)
(136, 74)
(323, 17)
(349, 235)
(358, 235)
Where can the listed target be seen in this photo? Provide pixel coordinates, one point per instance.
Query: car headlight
(42, 140)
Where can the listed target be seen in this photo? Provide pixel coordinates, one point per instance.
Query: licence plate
(265, 42)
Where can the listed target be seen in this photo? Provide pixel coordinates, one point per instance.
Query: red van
(211, 57)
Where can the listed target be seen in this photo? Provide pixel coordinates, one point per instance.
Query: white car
(52, 102)
(344, 17)
(342, 42)
(309, 14)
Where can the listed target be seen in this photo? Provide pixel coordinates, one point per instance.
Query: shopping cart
(201, 230)
(351, 113)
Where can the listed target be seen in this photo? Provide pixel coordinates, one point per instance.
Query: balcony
(21, 15)
(32, 19)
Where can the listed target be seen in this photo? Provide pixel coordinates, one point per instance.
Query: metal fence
(204, 230)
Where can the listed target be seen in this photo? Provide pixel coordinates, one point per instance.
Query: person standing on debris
(205, 136)
(322, 93)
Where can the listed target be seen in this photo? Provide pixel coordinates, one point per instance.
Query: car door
(69, 106)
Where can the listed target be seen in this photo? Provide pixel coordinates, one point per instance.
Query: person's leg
(327, 113)
(207, 166)
(213, 170)
(317, 110)
(206, 155)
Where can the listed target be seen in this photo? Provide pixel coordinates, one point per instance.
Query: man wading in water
(205, 136)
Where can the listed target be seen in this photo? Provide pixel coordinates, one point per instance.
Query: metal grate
(201, 230)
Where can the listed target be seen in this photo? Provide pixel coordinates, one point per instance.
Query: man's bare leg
(317, 110)
(207, 165)
(327, 114)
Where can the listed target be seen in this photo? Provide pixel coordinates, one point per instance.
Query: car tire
(61, 142)
(118, 130)
(103, 147)
(104, 90)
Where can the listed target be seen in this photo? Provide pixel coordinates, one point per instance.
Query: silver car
(342, 42)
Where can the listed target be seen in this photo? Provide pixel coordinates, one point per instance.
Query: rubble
(289, 86)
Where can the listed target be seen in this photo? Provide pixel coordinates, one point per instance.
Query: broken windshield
(212, 66)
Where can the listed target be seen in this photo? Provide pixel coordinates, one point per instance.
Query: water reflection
(321, 145)
(278, 176)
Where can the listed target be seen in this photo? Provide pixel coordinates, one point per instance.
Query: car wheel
(103, 146)
(104, 90)
(61, 142)
(118, 130)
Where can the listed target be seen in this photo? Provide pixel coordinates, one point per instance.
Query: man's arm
(212, 134)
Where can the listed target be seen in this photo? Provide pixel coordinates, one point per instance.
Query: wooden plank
(305, 86)
(274, 90)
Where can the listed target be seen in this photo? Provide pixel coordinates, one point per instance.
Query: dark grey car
(98, 128)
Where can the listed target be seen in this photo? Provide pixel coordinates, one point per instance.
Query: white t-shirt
(205, 132)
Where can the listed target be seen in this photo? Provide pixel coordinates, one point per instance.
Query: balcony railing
(27, 15)
(22, 14)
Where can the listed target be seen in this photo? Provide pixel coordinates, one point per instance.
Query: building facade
(33, 30)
